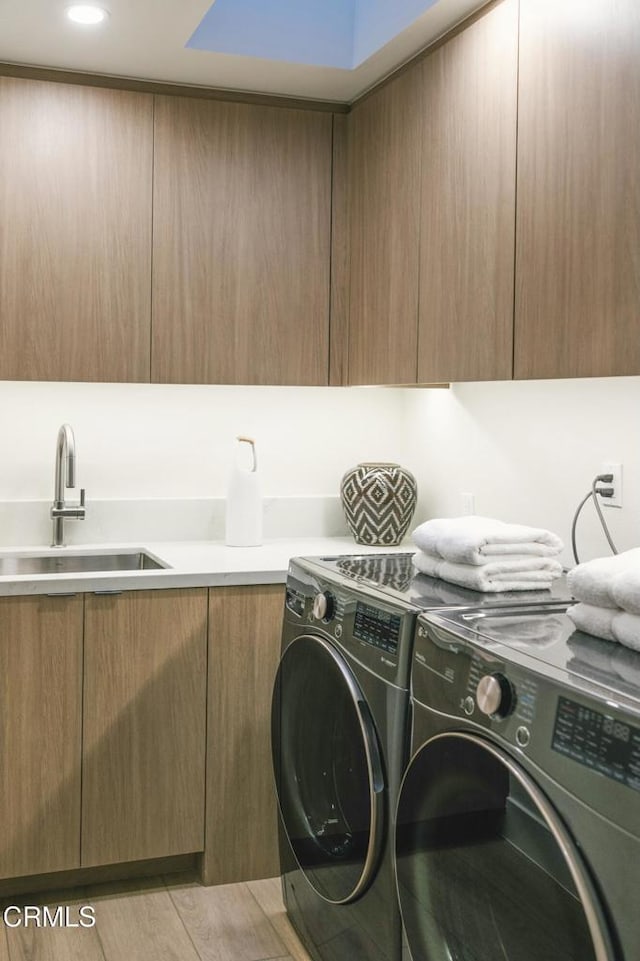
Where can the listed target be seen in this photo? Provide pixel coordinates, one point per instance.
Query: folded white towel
(609, 624)
(469, 540)
(626, 630)
(625, 587)
(592, 582)
(502, 575)
(593, 620)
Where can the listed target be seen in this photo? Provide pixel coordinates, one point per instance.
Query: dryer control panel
(598, 740)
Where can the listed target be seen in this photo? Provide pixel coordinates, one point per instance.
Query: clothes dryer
(518, 821)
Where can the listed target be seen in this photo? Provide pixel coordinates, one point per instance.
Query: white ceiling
(145, 39)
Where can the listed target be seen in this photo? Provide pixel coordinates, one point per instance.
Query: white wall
(528, 451)
(151, 441)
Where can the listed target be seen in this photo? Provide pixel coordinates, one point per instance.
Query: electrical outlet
(615, 469)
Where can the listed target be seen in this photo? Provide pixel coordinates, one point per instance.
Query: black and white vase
(379, 501)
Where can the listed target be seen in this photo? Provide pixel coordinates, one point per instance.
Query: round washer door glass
(328, 771)
(486, 870)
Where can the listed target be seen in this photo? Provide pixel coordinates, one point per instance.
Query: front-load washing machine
(340, 743)
(518, 820)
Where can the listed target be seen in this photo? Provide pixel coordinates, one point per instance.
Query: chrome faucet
(65, 477)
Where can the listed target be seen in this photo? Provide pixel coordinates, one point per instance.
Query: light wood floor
(163, 919)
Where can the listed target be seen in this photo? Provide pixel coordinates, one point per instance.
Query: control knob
(324, 607)
(494, 695)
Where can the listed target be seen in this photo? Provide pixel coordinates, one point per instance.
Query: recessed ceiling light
(86, 13)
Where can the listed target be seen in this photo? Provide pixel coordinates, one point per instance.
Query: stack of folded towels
(608, 592)
(487, 555)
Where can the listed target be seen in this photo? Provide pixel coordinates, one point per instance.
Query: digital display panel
(599, 741)
(295, 601)
(376, 627)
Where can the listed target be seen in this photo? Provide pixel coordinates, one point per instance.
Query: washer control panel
(295, 601)
(379, 628)
(324, 606)
(494, 695)
(378, 634)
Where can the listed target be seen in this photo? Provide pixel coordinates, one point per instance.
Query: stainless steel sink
(69, 563)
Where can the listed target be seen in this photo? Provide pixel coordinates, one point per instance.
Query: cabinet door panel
(244, 650)
(578, 224)
(75, 232)
(339, 354)
(468, 202)
(384, 185)
(242, 225)
(144, 725)
(40, 734)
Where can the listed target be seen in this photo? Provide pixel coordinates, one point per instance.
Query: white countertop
(191, 564)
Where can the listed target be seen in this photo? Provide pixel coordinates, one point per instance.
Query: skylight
(329, 33)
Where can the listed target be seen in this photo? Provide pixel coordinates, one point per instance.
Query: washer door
(486, 870)
(328, 770)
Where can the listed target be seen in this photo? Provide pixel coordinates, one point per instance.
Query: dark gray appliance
(518, 821)
(340, 743)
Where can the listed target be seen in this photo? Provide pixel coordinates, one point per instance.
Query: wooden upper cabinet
(578, 225)
(241, 243)
(75, 232)
(41, 731)
(384, 189)
(339, 354)
(468, 202)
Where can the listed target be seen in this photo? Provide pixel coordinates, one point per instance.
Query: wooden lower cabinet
(145, 669)
(245, 625)
(40, 734)
(105, 755)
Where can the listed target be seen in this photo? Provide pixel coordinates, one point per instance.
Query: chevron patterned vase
(378, 502)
